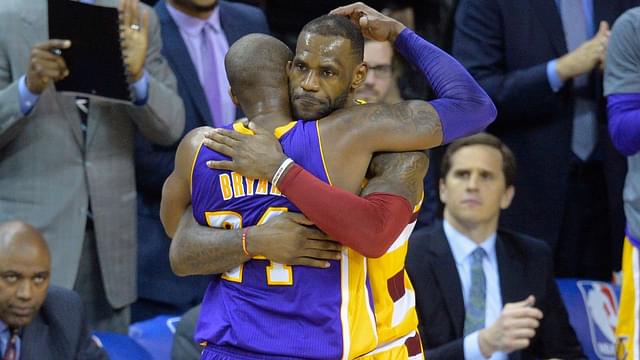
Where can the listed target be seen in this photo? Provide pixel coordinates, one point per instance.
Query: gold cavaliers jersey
(394, 301)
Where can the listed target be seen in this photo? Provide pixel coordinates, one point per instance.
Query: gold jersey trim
(193, 167)
(277, 132)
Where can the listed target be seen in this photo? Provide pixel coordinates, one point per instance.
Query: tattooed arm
(201, 250)
(398, 173)
(287, 238)
(462, 107)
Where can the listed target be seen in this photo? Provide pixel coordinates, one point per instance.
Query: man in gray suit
(66, 164)
(37, 321)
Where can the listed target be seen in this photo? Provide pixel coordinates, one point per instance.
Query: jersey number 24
(277, 273)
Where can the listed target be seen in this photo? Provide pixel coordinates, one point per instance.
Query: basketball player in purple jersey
(426, 132)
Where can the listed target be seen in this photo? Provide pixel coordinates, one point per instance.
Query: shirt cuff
(27, 99)
(141, 89)
(552, 75)
(472, 347)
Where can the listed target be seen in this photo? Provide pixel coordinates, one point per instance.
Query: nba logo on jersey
(601, 305)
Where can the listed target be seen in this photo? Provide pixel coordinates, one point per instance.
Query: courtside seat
(155, 335)
(121, 347)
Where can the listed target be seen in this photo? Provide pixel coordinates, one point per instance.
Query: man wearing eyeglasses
(380, 85)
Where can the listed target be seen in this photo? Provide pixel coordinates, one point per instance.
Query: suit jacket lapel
(36, 335)
(549, 16)
(511, 271)
(175, 50)
(37, 30)
(448, 280)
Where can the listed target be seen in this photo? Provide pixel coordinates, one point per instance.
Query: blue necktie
(475, 309)
(584, 136)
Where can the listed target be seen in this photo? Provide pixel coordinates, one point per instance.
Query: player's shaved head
(25, 265)
(256, 68)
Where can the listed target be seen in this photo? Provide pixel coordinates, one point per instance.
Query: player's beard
(196, 7)
(329, 106)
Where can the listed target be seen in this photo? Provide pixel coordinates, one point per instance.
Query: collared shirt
(28, 99)
(552, 75)
(190, 30)
(5, 335)
(461, 248)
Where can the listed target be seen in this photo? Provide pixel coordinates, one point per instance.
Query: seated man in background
(464, 269)
(37, 321)
(380, 84)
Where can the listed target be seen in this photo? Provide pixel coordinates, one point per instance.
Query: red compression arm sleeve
(368, 224)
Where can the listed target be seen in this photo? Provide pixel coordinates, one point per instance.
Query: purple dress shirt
(217, 87)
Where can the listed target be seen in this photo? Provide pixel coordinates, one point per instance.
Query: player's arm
(195, 249)
(622, 85)
(624, 122)
(193, 246)
(462, 106)
(176, 191)
(401, 174)
(201, 250)
(368, 224)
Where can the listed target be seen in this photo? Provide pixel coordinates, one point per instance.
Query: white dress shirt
(462, 247)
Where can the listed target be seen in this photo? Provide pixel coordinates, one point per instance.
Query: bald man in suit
(37, 321)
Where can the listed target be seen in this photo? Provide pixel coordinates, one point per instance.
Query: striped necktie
(11, 352)
(475, 309)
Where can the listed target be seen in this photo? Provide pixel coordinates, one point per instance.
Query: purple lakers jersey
(264, 309)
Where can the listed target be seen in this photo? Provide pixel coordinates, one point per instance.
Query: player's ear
(234, 98)
(289, 66)
(360, 75)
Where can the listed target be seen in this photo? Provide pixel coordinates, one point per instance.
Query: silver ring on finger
(135, 27)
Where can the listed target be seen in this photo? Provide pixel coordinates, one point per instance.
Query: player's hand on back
(256, 156)
(373, 24)
(291, 239)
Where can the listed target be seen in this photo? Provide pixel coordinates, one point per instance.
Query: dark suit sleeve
(154, 163)
(479, 44)
(555, 337)
(87, 347)
(438, 337)
(184, 347)
(450, 350)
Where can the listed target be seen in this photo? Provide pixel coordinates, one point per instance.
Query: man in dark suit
(540, 61)
(189, 28)
(37, 321)
(464, 269)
